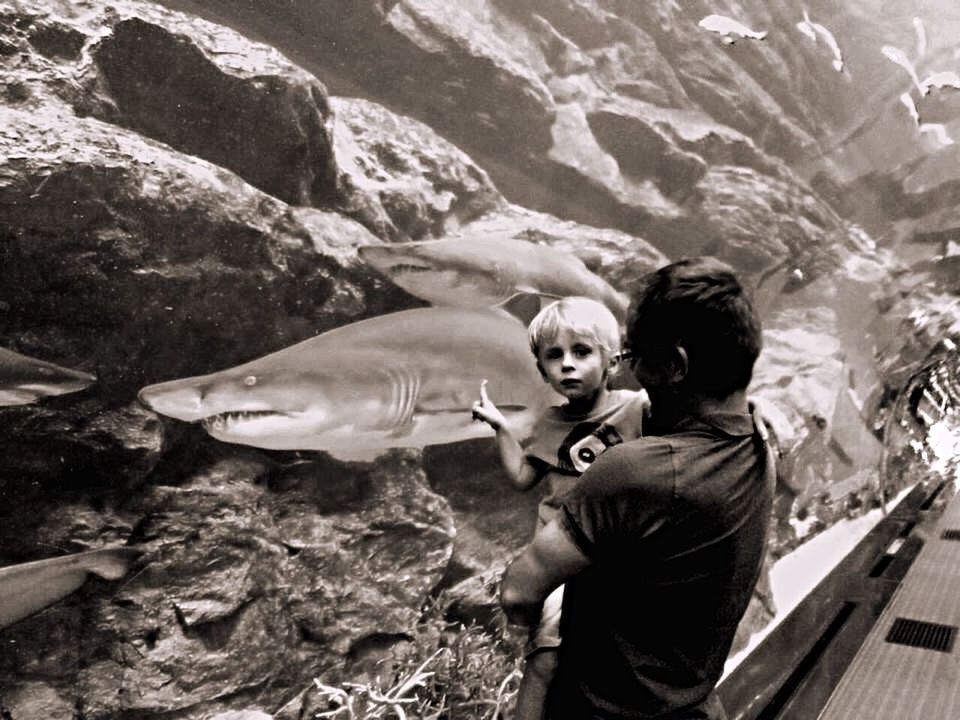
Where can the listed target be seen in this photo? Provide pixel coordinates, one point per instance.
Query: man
(661, 541)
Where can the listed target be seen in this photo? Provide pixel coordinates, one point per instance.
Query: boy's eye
(553, 353)
(582, 350)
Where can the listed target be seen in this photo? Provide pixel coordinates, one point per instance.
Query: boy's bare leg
(537, 674)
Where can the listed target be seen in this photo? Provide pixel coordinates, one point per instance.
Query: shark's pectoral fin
(349, 453)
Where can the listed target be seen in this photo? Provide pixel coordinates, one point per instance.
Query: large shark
(405, 379)
(24, 380)
(485, 272)
(29, 587)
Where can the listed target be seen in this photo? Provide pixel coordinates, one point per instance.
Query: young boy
(576, 343)
(661, 542)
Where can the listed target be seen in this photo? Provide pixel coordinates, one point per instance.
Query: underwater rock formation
(176, 199)
(246, 588)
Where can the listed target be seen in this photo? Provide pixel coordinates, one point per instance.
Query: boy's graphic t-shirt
(556, 434)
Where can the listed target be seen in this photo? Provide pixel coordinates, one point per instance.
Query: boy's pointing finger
(484, 398)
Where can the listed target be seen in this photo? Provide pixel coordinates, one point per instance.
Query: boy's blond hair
(580, 315)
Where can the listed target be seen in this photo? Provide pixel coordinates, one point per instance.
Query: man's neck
(735, 403)
(676, 408)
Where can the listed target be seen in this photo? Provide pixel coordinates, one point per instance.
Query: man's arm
(547, 562)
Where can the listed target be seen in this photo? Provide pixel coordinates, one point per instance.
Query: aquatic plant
(468, 673)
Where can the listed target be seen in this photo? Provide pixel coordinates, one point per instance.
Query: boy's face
(574, 365)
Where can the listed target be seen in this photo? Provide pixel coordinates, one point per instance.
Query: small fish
(921, 37)
(831, 42)
(405, 379)
(29, 587)
(896, 55)
(25, 380)
(940, 80)
(907, 100)
(938, 131)
(728, 28)
(806, 27)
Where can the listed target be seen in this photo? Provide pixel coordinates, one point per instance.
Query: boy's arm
(522, 473)
(547, 562)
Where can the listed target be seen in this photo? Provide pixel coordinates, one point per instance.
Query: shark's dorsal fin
(523, 305)
(590, 258)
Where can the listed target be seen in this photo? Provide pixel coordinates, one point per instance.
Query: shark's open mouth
(224, 420)
(409, 268)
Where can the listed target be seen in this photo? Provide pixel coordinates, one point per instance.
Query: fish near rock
(29, 587)
(484, 272)
(25, 380)
(404, 379)
(729, 27)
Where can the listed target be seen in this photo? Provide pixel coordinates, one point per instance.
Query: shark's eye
(250, 380)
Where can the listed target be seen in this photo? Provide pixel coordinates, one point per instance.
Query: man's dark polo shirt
(675, 527)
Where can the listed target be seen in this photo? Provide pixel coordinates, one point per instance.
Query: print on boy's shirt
(570, 444)
(585, 442)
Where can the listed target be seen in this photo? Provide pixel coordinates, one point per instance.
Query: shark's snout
(54, 380)
(73, 378)
(183, 402)
(24, 379)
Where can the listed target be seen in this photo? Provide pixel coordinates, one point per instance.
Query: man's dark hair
(697, 303)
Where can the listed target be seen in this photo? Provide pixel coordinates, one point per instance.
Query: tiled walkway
(909, 666)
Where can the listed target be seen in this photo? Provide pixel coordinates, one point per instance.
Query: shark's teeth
(218, 422)
(409, 268)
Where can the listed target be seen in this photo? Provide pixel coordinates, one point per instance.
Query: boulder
(237, 581)
(195, 86)
(413, 183)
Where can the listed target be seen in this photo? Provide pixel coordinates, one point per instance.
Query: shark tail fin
(111, 563)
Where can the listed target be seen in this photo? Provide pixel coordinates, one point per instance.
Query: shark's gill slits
(404, 391)
(506, 285)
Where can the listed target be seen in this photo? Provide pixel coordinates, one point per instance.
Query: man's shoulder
(646, 445)
(645, 460)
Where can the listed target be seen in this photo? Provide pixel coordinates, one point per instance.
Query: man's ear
(679, 364)
(613, 363)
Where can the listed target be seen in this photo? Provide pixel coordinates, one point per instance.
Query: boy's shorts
(546, 635)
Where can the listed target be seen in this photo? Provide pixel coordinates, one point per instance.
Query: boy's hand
(484, 409)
